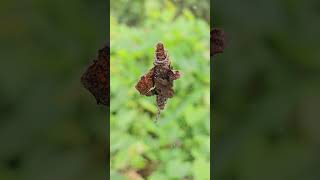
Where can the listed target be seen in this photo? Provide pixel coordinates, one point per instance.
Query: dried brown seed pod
(97, 77)
(159, 80)
(217, 41)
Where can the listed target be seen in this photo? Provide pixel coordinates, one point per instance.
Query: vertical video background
(50, 126)
(178, 145)
(267, 88)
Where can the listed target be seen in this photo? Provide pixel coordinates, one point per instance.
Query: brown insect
(159, 80)
(217, 41)
(97, 77)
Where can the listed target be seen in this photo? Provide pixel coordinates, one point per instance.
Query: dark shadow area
(50, 126)
(266, 90)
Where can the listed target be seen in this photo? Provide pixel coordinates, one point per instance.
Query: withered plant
(159, 80)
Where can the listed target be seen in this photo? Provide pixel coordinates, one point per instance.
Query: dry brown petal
(146, 83)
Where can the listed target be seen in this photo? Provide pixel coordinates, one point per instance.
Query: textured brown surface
(97, 77)
(146, 83)
(159, 80)
(217, 40)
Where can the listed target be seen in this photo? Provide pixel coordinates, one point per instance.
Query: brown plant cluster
(159, 80)
(217, 41)
(97, 77)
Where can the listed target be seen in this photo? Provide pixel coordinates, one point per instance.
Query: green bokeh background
(267, 90)
(178, 145)
(50, 126)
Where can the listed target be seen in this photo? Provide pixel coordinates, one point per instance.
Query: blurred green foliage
(178, 145)
(267, 90)
(50, 126)
(134, 12)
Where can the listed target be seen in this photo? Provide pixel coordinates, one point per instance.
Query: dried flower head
(159, 80)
